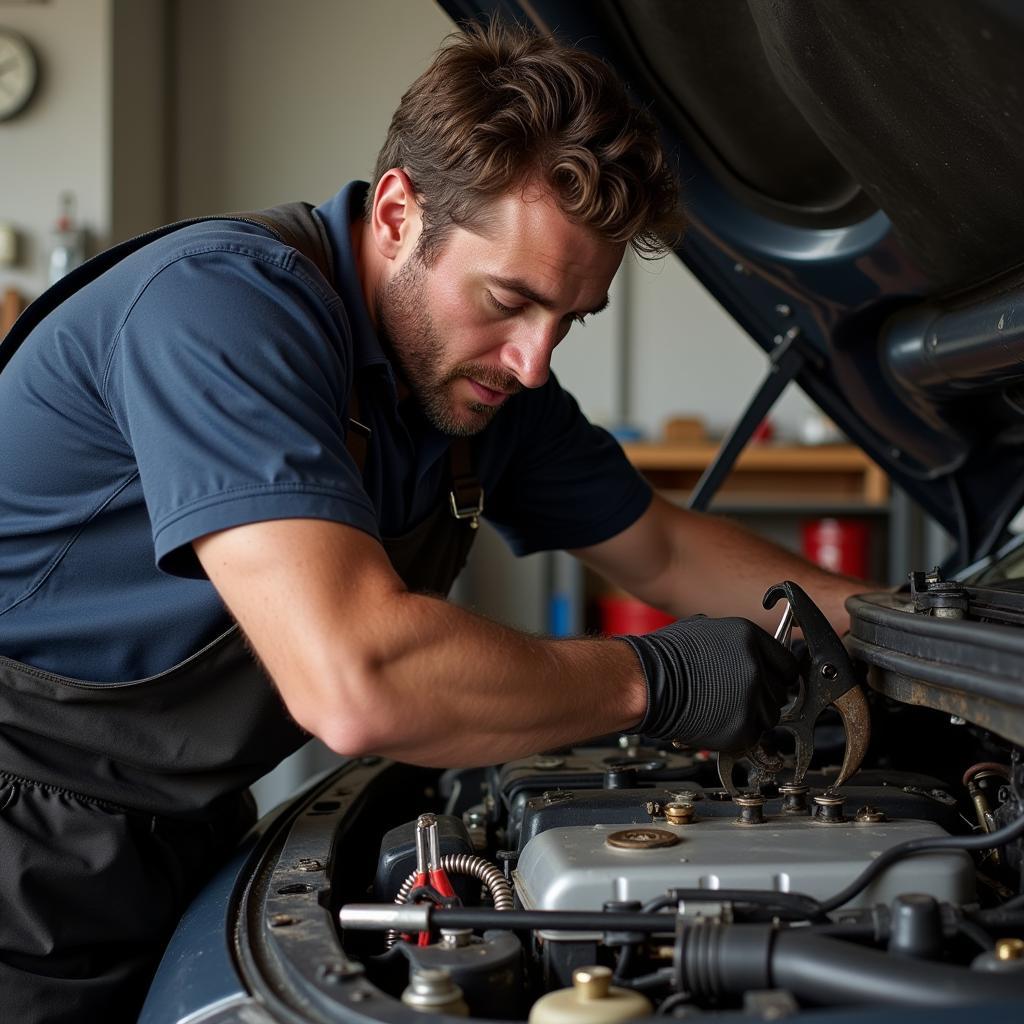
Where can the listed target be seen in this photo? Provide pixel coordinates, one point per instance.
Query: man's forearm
(448, 687)
(688, 563)
(719, 568)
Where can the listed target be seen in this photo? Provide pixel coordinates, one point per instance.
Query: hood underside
(858, 165)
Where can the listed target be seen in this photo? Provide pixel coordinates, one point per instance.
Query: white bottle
(67, 248)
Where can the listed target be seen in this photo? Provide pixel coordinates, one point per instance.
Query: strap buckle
(466, 500)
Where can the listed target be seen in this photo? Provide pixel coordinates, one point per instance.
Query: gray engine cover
(575, 868)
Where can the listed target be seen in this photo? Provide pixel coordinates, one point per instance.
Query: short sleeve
(229, 379)
(567, 484)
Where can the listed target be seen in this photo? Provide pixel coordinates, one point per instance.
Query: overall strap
(466, 496)
(295, 224)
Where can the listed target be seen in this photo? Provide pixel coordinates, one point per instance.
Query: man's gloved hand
(715, 683)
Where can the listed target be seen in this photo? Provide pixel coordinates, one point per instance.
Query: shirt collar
(338, 214)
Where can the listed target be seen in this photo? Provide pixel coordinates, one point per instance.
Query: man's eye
(501, 307)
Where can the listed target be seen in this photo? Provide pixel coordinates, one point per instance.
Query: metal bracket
(785, 363)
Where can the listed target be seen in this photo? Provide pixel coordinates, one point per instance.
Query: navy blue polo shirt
(203, 383)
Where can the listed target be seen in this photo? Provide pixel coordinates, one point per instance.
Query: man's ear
(395, 221)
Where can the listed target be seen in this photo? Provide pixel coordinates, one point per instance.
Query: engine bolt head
(433, 991)
(679, 813)
(1010, 949)
(794, 799)
(868, 815)
(456, 938)
(828, 809)
(545, 763)
(683, 796)
(751, 810)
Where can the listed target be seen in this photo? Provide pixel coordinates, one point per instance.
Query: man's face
(479, 322)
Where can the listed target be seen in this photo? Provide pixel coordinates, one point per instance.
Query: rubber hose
(831, 972)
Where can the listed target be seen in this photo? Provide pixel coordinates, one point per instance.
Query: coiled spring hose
(463, 864)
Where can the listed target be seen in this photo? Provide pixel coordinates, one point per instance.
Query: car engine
(622, 880)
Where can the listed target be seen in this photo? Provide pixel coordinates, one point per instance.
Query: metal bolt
(828, 809)
(338, 970)
(679, 813)
(794, 799)
(783, 310)
(554, 796)
(683, 796)
(829, 671)
(548, 763)
(957, 720)
(868, 815)
(507, 859)
(751, 810)
(456, 938)
(309, 864)
(1010, 949)
(433, 991)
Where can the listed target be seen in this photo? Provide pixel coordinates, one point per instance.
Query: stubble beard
(408, 330)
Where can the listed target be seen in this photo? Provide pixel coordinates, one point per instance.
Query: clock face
(18, 73)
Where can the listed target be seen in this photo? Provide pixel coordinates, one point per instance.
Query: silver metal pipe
(378, 917)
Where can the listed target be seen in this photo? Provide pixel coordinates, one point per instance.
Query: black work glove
(715, 683)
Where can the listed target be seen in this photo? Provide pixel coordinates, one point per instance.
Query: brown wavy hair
(501, 107)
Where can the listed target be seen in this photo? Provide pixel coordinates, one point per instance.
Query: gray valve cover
(576, 869)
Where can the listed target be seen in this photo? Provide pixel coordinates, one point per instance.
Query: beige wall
(280, 101)
(61, 141)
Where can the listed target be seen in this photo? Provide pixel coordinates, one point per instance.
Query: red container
(623, 614)
(840, 545)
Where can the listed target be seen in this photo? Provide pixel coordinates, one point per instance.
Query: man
(212, 430)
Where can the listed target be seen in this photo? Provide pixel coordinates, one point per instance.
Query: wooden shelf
(769, 474)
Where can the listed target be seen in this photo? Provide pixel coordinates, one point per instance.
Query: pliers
(831, 679)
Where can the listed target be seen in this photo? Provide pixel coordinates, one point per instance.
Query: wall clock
(19, 72)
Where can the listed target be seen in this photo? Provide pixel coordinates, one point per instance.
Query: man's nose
(528, 355)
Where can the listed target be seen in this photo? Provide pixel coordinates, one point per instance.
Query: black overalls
(118, 800)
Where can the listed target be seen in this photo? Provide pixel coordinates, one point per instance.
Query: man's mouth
(489, 396)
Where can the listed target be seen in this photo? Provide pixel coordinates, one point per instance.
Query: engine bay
(622, 880)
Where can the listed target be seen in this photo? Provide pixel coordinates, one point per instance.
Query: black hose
(552, 920)
(644, 982)
(830, 972)
(975, 932)
(985, 841)
(788, 905)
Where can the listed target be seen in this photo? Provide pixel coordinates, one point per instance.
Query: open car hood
(852, 182)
